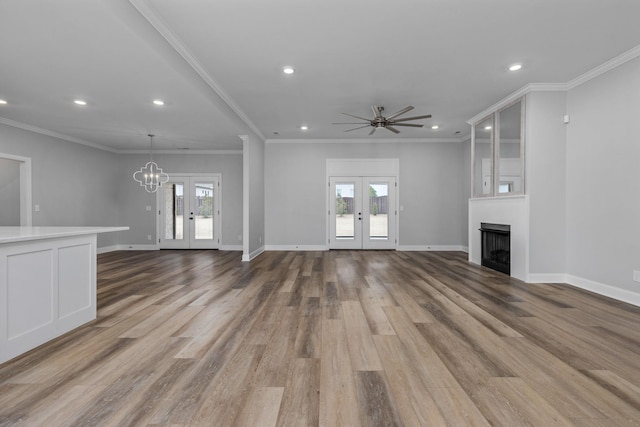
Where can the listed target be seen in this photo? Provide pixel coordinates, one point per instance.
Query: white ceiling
(218, 64)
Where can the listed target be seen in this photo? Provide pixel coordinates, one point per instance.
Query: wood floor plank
(261, 407)
(419, 408)
(301, 400)
(338, 402)
(378, 322)
(330, 338)
(364, 355)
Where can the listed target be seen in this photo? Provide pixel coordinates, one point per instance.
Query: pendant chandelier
(151, 176)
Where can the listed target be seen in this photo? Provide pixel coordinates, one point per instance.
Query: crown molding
(623, 58)
(179, 151)
(176, 43)
(528, 88)
(363, 141)
(619, 60)
(56, 135)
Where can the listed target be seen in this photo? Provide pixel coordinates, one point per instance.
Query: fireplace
(496, 246)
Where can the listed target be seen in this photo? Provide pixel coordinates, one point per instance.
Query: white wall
(73, 184)
(430, 190)
(603, 179)
(133, 199)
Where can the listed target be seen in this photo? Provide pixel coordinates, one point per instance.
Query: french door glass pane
(174, 211)
(379, 210)
(345, 219)
(203, 213)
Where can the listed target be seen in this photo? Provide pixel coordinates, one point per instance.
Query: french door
(362, 212)
(189, 209)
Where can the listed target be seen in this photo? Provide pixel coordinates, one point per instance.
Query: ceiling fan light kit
(379, 121)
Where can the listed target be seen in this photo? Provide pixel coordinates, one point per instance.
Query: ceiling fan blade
(401, 112)
(392, 129)
(349, 130)
(376, 111)
(426, 116)
(406, 124)
(373, 130)
(350, 123)
(361, 118)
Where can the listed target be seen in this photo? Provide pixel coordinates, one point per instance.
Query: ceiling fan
(379, 121)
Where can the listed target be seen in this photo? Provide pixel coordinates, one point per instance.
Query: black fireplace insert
(496, 246)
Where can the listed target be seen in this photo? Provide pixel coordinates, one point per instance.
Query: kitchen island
(47, 283)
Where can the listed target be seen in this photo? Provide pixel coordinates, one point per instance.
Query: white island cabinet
(47, 284)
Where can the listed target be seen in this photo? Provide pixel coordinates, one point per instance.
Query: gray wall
(133, 199)
(465, 191)
(73, 184)
(431, 190)
(9, 192)
(603, 178)
(545, 181)
(255, 164)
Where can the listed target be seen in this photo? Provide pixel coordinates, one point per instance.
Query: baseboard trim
(297, 248)
(604, 289)
(427, 248)
(252, 255)
(230, 247)
(106, 249)
(547, 278)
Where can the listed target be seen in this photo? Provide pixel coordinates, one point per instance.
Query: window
(498, 152)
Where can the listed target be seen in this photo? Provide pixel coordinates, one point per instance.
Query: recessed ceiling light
(158, 102)
(434, 127)
(3, 102)
(487, 128)
(288, 70)
(80, 102)
(304, 127)
(515, 67)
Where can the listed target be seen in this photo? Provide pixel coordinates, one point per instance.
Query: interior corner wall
(74, 185)
(603, 179)
(430, 190)
(133, 199)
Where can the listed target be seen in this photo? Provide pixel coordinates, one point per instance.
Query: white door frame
(362, 168)
(25, 187)
(217, 225)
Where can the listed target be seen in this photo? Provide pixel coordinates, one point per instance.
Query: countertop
(22, 234)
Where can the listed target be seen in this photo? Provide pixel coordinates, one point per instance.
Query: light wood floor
(334, 338)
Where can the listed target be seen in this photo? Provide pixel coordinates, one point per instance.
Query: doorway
(15, 190)
(189, 210)
(362, 212)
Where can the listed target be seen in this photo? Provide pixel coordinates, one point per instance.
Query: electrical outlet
(148, 208)
(239, 237)
(36, 208)
(636, 275)
(148, 236)
(260, 239)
